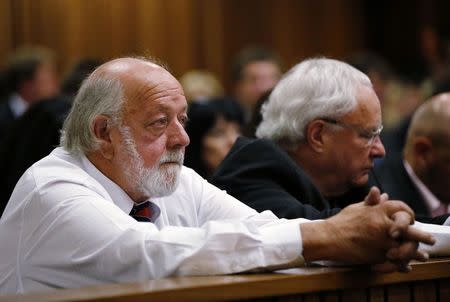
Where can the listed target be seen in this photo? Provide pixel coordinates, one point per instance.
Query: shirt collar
(430, 199)
(118, 196)
(17, 104)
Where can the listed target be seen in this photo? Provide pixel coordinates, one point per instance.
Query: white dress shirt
(67, 225)
(434, 205)
(18, 105)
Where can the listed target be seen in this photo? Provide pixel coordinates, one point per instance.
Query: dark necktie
(145, 211)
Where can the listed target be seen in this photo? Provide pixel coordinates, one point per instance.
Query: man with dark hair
(30, 76)
(35, 134)
(254, 72)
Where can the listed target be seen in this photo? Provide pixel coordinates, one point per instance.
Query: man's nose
(178, 136)
(377, 149)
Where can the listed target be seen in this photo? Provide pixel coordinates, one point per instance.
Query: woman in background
(213, 127)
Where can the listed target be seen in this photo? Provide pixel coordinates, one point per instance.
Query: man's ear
(314, 135)
(423, 151)
(102, 131)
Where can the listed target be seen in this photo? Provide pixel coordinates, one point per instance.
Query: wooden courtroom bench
(427, 282)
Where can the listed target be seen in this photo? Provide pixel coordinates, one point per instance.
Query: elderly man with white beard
(113, 203)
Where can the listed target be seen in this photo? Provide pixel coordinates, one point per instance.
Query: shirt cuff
(286, 239)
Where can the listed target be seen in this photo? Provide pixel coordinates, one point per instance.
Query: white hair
(315, 88)
(98, 95)
(154, 181)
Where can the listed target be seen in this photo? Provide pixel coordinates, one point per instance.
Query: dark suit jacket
(31, 137)
(6, 119)
(263, 176)
(391, 177)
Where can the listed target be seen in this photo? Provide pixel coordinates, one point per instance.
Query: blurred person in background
(413, 93)
(213, 127)
(36, 133)
(76, 74)
(200, 85)
(256, 117)
(421, 175)
(254, 71)
(413, 89)
(30, 76)
(435, 48)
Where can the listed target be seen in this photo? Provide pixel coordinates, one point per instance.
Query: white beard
(157, 181)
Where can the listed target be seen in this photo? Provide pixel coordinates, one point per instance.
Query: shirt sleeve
(72, 236)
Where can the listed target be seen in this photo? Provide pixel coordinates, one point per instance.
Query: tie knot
(145, 211)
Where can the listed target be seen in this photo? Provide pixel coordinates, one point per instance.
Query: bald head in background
(427, 148)
(421, 175)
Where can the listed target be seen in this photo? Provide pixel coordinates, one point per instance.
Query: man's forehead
(128, 70)
(441, 104)
(368, 109)
(125, 64)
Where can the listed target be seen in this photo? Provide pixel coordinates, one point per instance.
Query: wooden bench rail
(427, 282)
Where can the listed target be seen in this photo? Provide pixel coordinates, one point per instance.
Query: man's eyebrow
(376, 127)
(166, 108)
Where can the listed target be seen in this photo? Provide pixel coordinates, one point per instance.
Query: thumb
(373, 198)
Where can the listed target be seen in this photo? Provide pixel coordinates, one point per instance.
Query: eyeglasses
(367, 134)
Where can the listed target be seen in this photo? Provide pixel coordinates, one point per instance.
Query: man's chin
(361, 181)
(162, 191)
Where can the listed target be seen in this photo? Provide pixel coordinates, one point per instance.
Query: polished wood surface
(185, 34)
(206, 34)
(427, 282)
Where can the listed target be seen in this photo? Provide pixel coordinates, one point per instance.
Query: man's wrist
(318, 240)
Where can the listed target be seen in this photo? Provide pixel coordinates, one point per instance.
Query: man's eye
(183, 120)
(366, 135)
(159, 123)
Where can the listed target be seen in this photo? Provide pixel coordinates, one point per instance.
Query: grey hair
(314, 88)
(98, 95)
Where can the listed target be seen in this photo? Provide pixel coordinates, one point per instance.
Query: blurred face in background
(257, 78)
(218, 142)
(45, 82)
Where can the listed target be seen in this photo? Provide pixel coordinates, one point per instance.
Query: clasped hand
(378, 231)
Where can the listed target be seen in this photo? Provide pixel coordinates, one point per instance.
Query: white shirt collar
(118, 196)
(430, 199)
(17, 104)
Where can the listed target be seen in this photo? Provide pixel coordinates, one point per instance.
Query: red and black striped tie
(145, 211)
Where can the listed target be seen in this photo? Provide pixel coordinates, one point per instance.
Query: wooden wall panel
(185, 34)
(6, 30)
(211, 36)
(151, 28)
(182, 35)
(295, 29)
